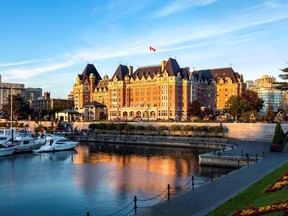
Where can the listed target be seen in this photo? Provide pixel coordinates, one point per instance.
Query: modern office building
(266, 90)
(31, 93)
(6, 89)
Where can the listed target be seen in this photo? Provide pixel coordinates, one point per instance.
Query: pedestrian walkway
(204, 199)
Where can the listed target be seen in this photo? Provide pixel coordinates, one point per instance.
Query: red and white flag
(152, 49)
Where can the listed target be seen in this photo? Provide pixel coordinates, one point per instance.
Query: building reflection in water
(133, 169)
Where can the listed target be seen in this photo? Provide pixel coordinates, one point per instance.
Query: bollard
(135, 204)
(263, 154)
(238, 164)
(168, 195)
(256, 157)
(88, 214)
(219, 153)
(212, 175)
(248, 160)
(192, 182)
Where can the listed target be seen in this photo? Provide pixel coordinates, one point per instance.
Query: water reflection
(99, 178)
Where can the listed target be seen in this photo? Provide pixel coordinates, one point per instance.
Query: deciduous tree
(252, 100)
(235, 106)
(194, 109)
(269, 115)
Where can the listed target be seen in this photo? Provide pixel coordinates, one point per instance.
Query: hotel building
(156, 92)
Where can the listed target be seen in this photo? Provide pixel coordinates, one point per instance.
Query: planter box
(276, 148)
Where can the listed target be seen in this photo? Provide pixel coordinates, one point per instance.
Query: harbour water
(97, 178)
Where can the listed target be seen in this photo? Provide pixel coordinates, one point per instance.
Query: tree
(282, 85)
(279, 135)
(194, 109)
(269, 115)
(252, 100)
(20, 108)
(207, 112)
(59, 106)
(235, 106)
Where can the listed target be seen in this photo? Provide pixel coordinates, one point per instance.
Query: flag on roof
(152, 49)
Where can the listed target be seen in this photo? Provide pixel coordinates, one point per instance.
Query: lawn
(255, 196)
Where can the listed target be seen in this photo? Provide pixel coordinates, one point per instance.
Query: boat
(5, 139)
(56, 143)
(6, 149)
(25, 144)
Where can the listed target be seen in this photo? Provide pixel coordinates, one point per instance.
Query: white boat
(5, 139)
(26, 144)
(56, 143)
(6, 150)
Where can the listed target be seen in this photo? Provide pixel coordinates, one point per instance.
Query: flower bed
(276, 207)
(282, 182)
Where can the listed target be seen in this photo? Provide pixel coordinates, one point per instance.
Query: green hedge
(162, 128)
(215, 129)
(175, 127)
(201, 129)
(187, 128)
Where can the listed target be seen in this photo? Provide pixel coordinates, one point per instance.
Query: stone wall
(244, 131)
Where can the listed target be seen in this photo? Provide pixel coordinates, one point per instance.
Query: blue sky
(47, 43)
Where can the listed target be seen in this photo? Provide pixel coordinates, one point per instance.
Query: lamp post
(148, 108)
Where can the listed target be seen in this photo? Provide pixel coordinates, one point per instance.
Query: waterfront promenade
(204, 199)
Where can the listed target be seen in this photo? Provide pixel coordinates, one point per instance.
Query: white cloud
(177, 6)
(29, 72)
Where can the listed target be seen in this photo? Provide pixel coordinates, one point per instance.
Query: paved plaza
(204, 199)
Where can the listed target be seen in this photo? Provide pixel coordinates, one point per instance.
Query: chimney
(46, 95)
(163, 64)
(130, 68)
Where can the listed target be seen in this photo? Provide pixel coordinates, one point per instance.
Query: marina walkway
(204, 199)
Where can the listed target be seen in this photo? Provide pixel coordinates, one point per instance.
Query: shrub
(102, 126)
(187, 128)
(93, 126)
(140, 127)
(216, 129)
(119, 127)
(129, 127)
(111, 126)
(201, 129)
(279, 136)
(162, 128)
(175, 128)
(150, 128)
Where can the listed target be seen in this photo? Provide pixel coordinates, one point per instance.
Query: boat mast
(11, 116)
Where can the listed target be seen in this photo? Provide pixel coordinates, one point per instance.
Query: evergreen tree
(20, 108)
(279, 136)
(284, 76)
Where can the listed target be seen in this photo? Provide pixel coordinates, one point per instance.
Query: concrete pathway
(211, 195)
